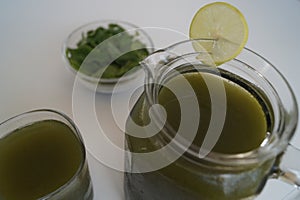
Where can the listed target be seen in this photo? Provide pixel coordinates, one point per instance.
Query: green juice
(246, 125)
(38, 159)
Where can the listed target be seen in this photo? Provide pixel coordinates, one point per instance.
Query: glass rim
(273, 148)
(74, 130)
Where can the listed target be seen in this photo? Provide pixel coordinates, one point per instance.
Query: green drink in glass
(42, 157)
(245, 111)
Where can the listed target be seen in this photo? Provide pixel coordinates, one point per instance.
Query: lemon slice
(225, 25)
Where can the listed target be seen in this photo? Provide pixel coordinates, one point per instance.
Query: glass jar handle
(289, 167)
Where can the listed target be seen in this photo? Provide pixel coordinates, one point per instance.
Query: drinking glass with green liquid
(205, 132)
(42, 156)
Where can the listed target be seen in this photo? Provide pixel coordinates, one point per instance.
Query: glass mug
(179, 171)
(42, 156)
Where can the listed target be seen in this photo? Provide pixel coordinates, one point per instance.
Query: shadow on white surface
(107, 183)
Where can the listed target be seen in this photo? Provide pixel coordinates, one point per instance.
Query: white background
(33, 75)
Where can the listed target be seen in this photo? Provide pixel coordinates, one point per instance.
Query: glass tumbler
(43, 157)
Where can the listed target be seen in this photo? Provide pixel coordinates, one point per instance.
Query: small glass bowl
(107, 85)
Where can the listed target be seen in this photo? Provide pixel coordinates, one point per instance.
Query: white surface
(32, 73)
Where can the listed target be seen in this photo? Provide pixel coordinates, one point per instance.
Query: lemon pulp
(225, 25)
